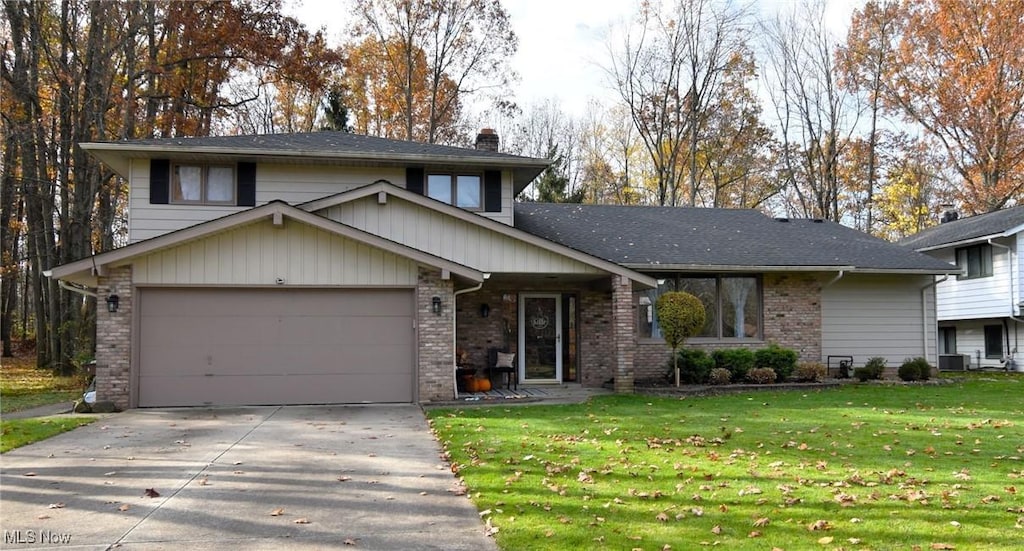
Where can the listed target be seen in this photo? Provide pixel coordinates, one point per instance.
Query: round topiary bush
(681, 315)
(916, 369)
(779, 359)
(719, 376)
(762, 375)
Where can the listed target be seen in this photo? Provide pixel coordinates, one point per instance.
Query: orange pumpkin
(483, 385)
(470, 384)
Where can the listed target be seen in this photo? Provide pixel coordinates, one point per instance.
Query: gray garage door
(275, 346)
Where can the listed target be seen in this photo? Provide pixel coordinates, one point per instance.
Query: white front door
(540, 337)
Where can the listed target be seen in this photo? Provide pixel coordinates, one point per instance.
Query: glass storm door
(540, 337)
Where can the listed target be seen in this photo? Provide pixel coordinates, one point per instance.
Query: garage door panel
(275, 346)
(274, 390)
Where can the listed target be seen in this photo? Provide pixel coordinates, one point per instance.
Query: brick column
(114, 337)
(435, 337)
(624, 335)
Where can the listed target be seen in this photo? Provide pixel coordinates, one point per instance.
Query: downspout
(455, 296)
(834, 279)
(1009, 261)
(924, 317)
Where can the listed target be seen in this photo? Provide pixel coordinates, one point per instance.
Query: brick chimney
(487, 140)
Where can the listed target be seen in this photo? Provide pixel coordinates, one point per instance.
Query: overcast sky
(561, 42)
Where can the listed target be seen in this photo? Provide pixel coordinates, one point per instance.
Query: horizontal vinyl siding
(293, 184)
(970, 341)
(977, 298)
(452, 239)
(867, 315)
(259, 253)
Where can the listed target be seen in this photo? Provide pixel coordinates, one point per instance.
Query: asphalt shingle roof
(326, 142)
(966, 229)
(643, 237)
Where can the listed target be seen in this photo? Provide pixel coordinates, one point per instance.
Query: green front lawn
(859, 467)
(15, 433)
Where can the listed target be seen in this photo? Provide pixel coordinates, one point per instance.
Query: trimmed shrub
(762, 375)
(719, 376)
(737, 360)
(694, 366)
(916, 369)
(779, 359)
(872, 369)
(812, 372)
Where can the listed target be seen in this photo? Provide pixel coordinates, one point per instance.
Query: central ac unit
(954, 362)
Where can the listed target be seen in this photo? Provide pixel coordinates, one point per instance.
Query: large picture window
(976, 261)
(732, 304)
(461, 190)
(203, 184)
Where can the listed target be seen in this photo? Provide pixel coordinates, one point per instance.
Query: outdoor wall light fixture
(435, 305)
(112, 303)
(485, 310)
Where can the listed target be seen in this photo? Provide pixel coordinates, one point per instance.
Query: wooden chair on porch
(502, 363)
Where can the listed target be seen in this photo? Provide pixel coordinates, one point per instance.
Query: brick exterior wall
(475, 334)
(597, 347)
(114, 338)
(435, 337)
(623, 333)
(792, 319)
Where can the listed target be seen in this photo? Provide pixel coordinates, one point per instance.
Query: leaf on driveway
(301, 521)
(57, 505)
(150, 492)
(124, 507)
(277, 512)
(29, 474)
(349, 541)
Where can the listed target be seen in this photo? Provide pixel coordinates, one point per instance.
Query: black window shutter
(414, 179)
(247, 184)
(492, 191)
(159, 181)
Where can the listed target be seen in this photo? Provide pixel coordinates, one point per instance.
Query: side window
(976, 261)
(460, 190)
(994, 341)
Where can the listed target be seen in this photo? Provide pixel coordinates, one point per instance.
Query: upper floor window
(976, 261)
(203, 184)
(461, 190)
(732, 304)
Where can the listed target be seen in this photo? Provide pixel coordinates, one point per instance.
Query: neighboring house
(979, 310)
(336, 268)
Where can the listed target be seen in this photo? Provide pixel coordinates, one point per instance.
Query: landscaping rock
(102, 406)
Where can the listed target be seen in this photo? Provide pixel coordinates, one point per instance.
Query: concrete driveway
(345, 477)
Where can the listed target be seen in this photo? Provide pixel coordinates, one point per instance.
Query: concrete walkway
(41, 411)
(343, 477)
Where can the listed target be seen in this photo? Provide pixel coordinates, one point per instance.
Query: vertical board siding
(452, 239)
(983, 297)
(294, 184)
(259, 253)
(871, 315)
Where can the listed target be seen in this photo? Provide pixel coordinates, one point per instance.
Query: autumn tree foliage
(414, 63)
(77, 71)
(958, 71)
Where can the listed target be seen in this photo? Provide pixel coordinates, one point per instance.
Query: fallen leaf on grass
(825, 540)
(942, 546)
(754, 534)
(717, 529)
(819, 525)
(761, 522)
(662, 517)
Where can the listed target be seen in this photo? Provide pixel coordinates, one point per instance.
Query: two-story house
(979, 309)
(336, 268)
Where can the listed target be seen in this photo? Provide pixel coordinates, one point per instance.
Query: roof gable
(650, 238)
(383, 191)
(85, 271)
